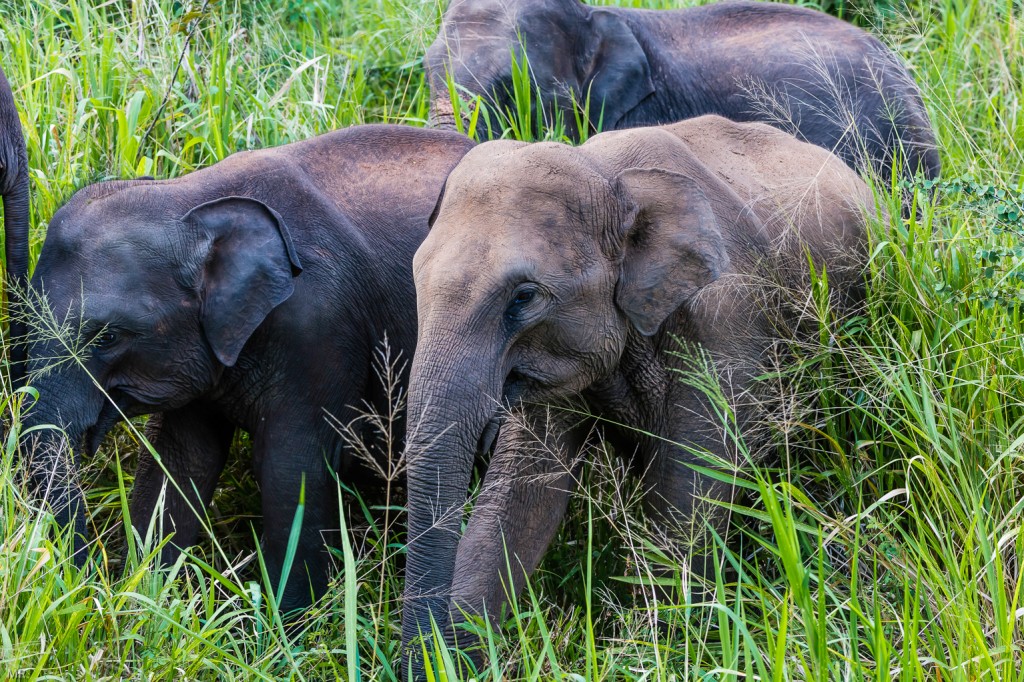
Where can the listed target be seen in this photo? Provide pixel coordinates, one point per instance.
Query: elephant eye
(105, 340)
(521, 298)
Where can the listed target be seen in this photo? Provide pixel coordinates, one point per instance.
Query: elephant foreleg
(532, 473)
(682, 501)
(294, 468)
(193, 444)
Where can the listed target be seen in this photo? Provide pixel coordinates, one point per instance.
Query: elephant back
(807, 200)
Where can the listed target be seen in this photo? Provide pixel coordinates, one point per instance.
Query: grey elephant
(14, 189)
(252, 294)
(557, 285)
(825, 81)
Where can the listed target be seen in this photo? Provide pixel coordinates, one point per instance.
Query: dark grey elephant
(251, 294)
(566, 275)
(825, 81)
(14, 189)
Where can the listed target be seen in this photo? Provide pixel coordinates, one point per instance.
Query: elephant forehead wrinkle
(103, 306)
(448, 268)
(102, 243)
(539, 202)
(526, 232)
(117, 255)
(480, 269)
(536, 245)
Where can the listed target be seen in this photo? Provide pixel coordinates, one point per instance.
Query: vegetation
(883, 543)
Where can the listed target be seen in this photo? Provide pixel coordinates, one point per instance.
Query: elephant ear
(613, 68)
(247, 272)
(437, 207)
(671, 245)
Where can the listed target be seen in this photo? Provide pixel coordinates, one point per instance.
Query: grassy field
(887, 546)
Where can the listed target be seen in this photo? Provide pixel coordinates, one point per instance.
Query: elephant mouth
(518, 385)
(490, 433)
(532, 386)
(109, 416)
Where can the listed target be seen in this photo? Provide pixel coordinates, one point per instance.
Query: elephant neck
(241, 392)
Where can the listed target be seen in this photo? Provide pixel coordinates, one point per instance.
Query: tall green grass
(883, 544)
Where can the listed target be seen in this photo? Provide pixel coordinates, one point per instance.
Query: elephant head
(543, 260)
(576, 54)
(142, 299)
(14, 189)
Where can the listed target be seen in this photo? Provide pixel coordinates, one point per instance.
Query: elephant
(798, 69)
(14, 189)
(251, 294)
(561, 288)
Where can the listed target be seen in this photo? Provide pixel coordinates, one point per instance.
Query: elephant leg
(193, 444)
(293, 469)
(682, 502)
(529, 480)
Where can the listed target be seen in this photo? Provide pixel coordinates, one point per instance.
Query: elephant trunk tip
(51, 460)
(443, 116)
(418, 630)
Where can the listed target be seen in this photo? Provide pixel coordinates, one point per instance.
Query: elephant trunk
(58, 425)
(53, 464)
(16, 243)
(451, 404)
(15, 190)
(442, 114)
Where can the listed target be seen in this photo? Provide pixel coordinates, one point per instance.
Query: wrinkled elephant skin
(14, 192)
(252, 294)
(568, 276)
(801, 70)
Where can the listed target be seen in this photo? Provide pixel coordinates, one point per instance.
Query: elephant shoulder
(799, 195)
(390, 170)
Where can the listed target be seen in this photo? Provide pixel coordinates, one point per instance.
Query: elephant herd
(540, 289)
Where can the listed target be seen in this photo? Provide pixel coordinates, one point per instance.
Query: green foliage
(884, 544)
(993, 219)
(861, 12)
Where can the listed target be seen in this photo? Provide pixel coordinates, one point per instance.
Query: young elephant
(252, 294)
(564, 274)
(798, 69)
(14, 190)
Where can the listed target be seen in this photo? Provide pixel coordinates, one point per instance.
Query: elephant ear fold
(671, 245)
(613, 69)
(437, 207)
(247, 271)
